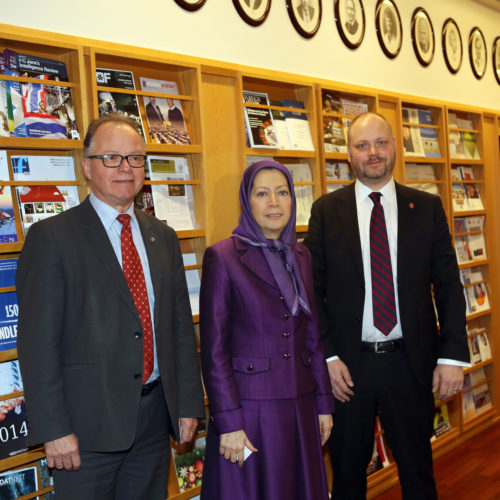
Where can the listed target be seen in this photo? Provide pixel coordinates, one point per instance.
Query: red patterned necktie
(384, 304)
(134, 274)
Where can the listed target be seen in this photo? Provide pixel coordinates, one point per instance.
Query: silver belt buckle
(376, 346)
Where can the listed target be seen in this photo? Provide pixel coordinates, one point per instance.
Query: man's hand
(187, 428)
(232, 446)
(449, 379)
(63, 453)
(340, 379)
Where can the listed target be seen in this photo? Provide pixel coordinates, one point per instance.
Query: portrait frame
(422, 36)
(495, 58)
(190, 5)
(477, 52)
(352, 34)
(449, 36)
(389, 28)
(254, 16)
(305, 28)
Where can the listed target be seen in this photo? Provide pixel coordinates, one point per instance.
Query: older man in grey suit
(106, 343)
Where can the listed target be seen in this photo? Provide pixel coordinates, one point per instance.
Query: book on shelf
(8, 269)
(482, 398)
(10, 377)
(42, 168)
(165, 117)
(459, 198)
(441, 421)
(470, 146)
(468, 406)
(430, 142)
(338, 171)
(31, 66)
(333, 135)
(456, 144)
(297, 124)
(18, 483)
(9, 311)
(41, 202)
(419, 172)
(353, 108)
(259, 121)
(330, 102)
(8, 230)
(428, 187)
(477, 246)
(117, 102)
(460, 225)
(301, 172)
(189, 465)
(475, 223)
(280, 127)
(409, 115)
(473, 197)
(412, 141)
(172, 203)
(13, 427)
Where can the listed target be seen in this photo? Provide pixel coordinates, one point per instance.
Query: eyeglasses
(114, 161)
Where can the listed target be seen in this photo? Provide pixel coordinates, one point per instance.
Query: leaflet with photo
(470, 146)
(475, 353)
(10, 377)
(482, 398)
(259, 121)
(430, 142)
(412, 141)
(484, 346)
(13, 427)
(463, 250)
(333, 135)
(280, 127)
(9, 311)
(409, 115)
(166, 121)
(466, 173)
(18, 483)
(297, 125)
(456, 144)
(475, 223)
(353, 108)
(473, 197)
(477, 246)
(330, 102)
(8, 230)
(41, 202)
(460, 225)
(188, 463)
(338, 171)
(42, 168)
(459, 198)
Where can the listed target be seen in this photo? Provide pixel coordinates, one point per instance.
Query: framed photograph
(305, 16)
(389, 28)
(190, 4)
(253, 12)
(496, 58)
(422, 35)
(477, 52)
(350, 19)
(451, 40)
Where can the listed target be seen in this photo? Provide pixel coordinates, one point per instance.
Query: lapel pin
(152, 239)
(412, 205)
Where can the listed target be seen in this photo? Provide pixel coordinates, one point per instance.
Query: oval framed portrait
(305, 16)
(190, 4)
(389, 28)
(350, 20)
(453, 50)
(477, 52)
(253, 12)
(495, 57)
(422, 36)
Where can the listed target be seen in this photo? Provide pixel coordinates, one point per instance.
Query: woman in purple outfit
(266, 378)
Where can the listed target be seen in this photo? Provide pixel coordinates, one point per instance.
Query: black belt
(382, 347)
(147, 388)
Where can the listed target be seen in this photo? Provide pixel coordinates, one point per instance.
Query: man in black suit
(102, 404)
(154, 114)
(394, 368)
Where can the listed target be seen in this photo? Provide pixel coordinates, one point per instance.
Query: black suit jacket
(80, 337)
(425, 257)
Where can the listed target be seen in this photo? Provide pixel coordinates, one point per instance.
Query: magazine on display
(459, 198)
(8, 269)
(477, 246)
(353, 108)
(42, 168)
(189, 465)
(409, 115)
(482, 398)
(4, 108)
(430, 142)
(32, 66)
(412, 141)
(165, 116)
(8, 230)
(475, 223)
(259, 121)
(280, 127)
(333, 135)
(456, 144)
(338, 171)
(297, 125)
(330, 102)
(41, 202)
(470, 146)
(13, 427)
(9, 311)
(484, 346)
(10, 378)
(18, 483)
(473, 197)
(460, 225)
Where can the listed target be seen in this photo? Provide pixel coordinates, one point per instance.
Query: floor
(469, 472)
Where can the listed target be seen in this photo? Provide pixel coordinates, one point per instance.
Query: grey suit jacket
(80, 337)
(425, 259)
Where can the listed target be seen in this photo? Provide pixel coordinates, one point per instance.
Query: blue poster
(9, 311)
(8, 268)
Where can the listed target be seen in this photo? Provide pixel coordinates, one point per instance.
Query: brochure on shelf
(42, 168)
(297, 124)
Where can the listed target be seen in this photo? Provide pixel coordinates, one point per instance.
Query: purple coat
(251, 347)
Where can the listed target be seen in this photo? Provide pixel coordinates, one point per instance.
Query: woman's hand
(232, 445)
(325, 427)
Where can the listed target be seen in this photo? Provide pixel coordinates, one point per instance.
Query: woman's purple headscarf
(280, 253)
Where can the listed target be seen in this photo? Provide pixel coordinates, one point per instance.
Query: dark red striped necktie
(384, 304)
